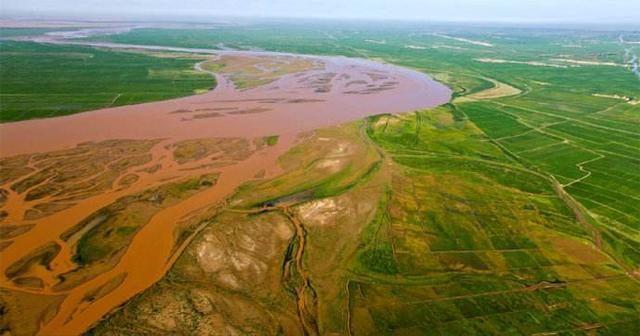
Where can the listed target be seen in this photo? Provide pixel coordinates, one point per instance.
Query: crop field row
(582, 156)
(482, 256)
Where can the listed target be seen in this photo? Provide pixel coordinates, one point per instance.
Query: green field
(40, 80)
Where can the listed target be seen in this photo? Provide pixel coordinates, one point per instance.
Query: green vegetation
(40, 80)
(271, 140)
(513, 215)
(379, 259)
(483, 246)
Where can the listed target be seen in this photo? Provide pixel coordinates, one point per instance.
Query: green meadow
(42, 80)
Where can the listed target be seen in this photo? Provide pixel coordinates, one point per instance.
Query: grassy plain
(40, 80)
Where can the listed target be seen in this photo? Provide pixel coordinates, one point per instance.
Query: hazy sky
(610, 11)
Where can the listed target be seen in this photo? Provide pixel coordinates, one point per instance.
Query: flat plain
(510, 210)
(40, 80)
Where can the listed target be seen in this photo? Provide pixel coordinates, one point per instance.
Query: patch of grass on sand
(271, 140)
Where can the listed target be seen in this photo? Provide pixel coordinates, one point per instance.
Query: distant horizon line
(210, 19)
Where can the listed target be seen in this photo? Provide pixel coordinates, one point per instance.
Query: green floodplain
(40, 80)
(512, 210)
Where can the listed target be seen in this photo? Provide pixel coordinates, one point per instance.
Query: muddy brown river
(338, 90)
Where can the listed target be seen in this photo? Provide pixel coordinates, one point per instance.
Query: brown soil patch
(582, 252)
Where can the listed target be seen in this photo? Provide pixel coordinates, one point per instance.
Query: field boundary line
(582, 169)
(569, 118)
